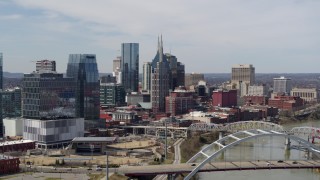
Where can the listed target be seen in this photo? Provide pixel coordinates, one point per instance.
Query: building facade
(84, 69)
(46, 65)
(224, 98)
(48, 95)
(146, 76)
(307, 94)
(242, 76)
(193, 79)
(53, 133)
(11, 102)
(160, 80)
(9, 165)
(130, 66)
(177, 72)
(179, 102)
(117, 69)
(1, 88)
(282, 85)
(112, 95)
(258, 90)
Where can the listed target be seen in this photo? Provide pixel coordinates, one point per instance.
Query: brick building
(20, 145)
(256, 100)
(290, 103)
(8, 164)
(224, 98)
(179, 102)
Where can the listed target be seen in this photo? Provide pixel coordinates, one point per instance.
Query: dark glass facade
(112, 95)
(48, 96)
(1, 87)
(11, 103)
(84, 69)
(130, 66)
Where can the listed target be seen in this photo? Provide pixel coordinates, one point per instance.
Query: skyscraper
(282, 85)
(177, 73)
(84, 69)
(117, 69)
(130, 66)
(160, 80)
(146, 76)
(1, 87)
(243, 75)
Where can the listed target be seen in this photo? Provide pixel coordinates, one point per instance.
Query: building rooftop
(93, 139)
(2, 156)
(15, 142)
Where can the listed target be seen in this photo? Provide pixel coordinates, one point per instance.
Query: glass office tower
(84, 69)
(130, 66)
(1, 87)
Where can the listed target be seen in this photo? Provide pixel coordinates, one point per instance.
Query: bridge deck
(217, 166)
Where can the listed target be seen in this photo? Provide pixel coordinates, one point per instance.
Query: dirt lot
(134, 144)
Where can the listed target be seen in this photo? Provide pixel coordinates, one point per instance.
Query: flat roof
(93, 139)
(5, 143)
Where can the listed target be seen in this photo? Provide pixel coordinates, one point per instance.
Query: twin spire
(160, 48)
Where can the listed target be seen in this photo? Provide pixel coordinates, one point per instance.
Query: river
(265, 149)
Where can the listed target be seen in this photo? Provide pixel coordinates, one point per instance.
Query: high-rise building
(1, 87)
(112, 95)
(180, 101)
(282, 85)
(84, 69)
(11, 102)
(177, 73)
(243, 75)
(48, 96)
(160, 80)
(46, 65)
(193, 79)
(130, 66)
(117, 69)
(146, 76)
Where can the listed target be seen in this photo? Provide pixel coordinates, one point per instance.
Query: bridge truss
(207, 154)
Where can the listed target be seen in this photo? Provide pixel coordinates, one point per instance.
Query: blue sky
(208, 36)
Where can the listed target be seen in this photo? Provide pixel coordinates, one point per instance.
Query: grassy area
(96, 176)
(116, 176)
(193, 144)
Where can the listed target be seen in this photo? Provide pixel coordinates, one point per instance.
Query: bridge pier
(221, 134)
(287, 143)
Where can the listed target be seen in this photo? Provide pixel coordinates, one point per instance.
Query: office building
(193, 79)
(46, 65)
(48, 95)
(160, 80)
(108, 79)
(112, 95)
(180, 101)
(282, 85)
(130, 66)
(1, 88)
(84, 69)
(146, 76)
(224, 98)
(258, 90)
(11, 102)
(309, 95)
(242, 76)
(116, 72)
(177, 72)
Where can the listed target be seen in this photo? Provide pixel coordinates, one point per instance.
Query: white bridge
(182, 132)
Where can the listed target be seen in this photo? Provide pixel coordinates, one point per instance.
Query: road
(217, 166)
(177, 158)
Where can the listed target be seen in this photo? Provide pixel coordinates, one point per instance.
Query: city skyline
(208, 37)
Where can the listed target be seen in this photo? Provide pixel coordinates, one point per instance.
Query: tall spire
(161, 49)
(158, 44)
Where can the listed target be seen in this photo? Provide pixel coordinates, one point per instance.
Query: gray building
(282, 85)
(84, 69)
(11, 102)
(176, 72)
(1, 87)
(45, 65)
(112, 95)
(130, 66)
(146, 76)
(48, 95)
(160, 80)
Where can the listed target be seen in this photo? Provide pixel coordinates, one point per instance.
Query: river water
(265, 149)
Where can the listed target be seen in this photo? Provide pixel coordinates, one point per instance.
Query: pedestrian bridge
(204, 160)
